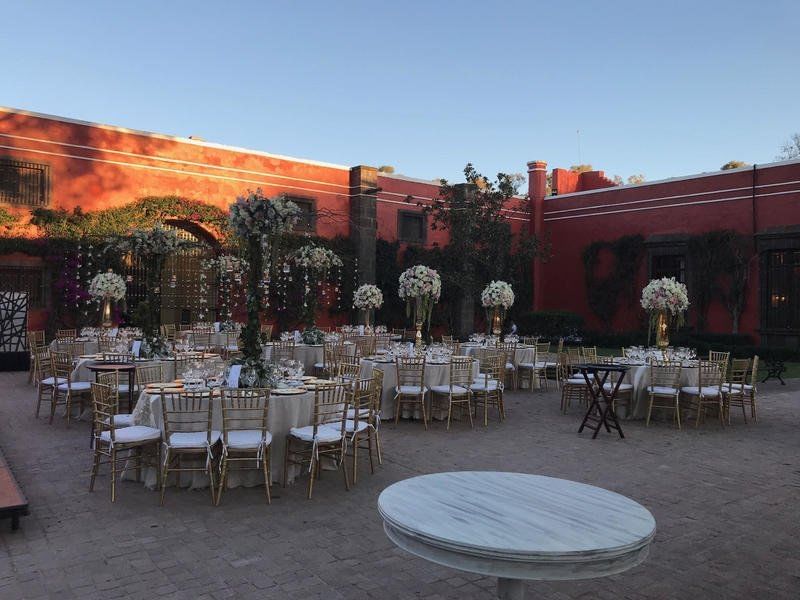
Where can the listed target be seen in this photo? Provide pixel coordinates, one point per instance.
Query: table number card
(136, 348)
(233, 376)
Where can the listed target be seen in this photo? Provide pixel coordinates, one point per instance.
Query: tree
(481, 247)
(638, 178)
(580, 168)
(734, 272)
(733, 164)
(791, 149)
(386, 169)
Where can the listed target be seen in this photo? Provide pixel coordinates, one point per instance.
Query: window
(308, 214)
(411, 227)
(24, 279)
(668, 265)
(23, 182)
(783, 289)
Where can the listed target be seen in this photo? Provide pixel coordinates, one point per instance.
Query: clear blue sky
(664, 89)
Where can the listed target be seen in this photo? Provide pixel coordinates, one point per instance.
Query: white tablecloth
(285, 412)
(523, 354)
(309, 355)
(434, 375)
(639, 376)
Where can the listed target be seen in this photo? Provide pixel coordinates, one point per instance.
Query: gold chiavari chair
(410, 387)
(377, 397)
(510, 350)
(230, 344)
(282, 350)
(62, 371)
(573, 386)
(531, 340)
(331, 352)
(734, 392)
(117, 357)
(719, 357)
(447, 340)
(45, 377)
(188, 432)
(66, 334)
(111, 379)
(135, 442)
(457, 391)
(358, 424)
(575, 355)
(487, 389)
(382, 341)
(589, 354)
(34, 340)
(708, 391)
(347, 371)
(245, 435)
(185, 326)
(664, 389)
(148, 374)
(169, 331)
(266, 332)
(325, 437)
(365, 346)
(752, 390)
(106, 343)
(454, 348)
(200, 340)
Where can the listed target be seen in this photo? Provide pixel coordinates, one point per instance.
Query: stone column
(363, 222)
(537, 189)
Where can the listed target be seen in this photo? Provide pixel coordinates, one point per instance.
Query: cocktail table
(516, 526)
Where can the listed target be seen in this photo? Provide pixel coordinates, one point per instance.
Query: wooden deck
(13, 502)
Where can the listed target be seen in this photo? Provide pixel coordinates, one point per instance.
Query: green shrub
(550, 323)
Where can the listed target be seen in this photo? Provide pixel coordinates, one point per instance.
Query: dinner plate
(159, 385)
(308, 378)
(289, 391)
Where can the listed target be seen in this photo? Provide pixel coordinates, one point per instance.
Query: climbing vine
(605, 293)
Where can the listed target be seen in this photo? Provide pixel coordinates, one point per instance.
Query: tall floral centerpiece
(257, 220)
(499, 297)
(317, 263)
(104, 288)
(420, 287)
(367, 298)
(665, 300)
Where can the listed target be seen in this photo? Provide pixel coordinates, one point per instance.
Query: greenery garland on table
(604, 292)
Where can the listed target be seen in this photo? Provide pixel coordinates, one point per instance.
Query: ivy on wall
(604, 293)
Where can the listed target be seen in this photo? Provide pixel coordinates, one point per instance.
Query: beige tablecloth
(434, 375)
(523, 354)
(639, 376)
(285, 412)
(309, 355)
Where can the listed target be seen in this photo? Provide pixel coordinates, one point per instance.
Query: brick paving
(726, 504)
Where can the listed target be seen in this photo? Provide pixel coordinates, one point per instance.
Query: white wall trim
(665, 206)
(172, 138)
(628, 186)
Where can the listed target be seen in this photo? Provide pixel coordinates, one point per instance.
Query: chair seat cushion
(485, 386)
(52, 380)
(319, 365)
(122, 420)
(247, 439)
(75, 386)
(576, 381)
(708, 391)
(192, 439)
(350, 426)
(510, 366)
(325, 433)
(623, 387)
(445, 389)
(130, 435)
(737, 387)
(410, 390)
(363, 413)
(662, 390)
(122, 388)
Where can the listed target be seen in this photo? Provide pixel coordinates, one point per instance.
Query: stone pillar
(363, 221)
(465, 313)
(537, 189)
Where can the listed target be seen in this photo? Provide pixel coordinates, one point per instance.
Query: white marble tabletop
(517, 526)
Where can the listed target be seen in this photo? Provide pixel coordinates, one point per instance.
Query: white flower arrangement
(257, 215)
(420, 287)
(107, 285)
(498, 294)
(665, 294)
(149, 242)
(368, 297)
(316, 258)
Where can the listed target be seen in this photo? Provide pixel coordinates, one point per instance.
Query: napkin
(137, 346)
(216, 326)
(233, 376)
(360, 330)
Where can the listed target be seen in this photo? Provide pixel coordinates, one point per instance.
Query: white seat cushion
(445, 389)
(51, 380)
(122, 388)
(193, 439)
(708, 390)
(410, 390)
(128, 435)
(75, 386)
(247, 439)
(484, 386)
(319, 365)
(662, 389)
(349, 427)
(325, 433)
(526, 365)
(122, 420)
(623, 387)
(736, 387)
(576, 381)
(482, 379)
(510, 366)
(363, 413)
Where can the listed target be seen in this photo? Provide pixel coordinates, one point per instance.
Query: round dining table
(516, 526)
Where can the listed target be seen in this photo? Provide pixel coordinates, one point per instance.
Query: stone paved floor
(727, 504)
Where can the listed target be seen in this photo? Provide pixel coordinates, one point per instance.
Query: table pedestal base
(510, 589)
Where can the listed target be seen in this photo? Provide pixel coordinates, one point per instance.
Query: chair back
(575, 355)
(461, 371)
(35, 338)
(510, 350)
(365, 346)
(347, 371)
(330, 406)
(361, 398)
(117, 357)
(560, 345)
(665, 375)
(410, 371)
(738, 375)
(720, 357)
(169, 330)
(589, 353)
(382, 341)
(754, 373)
(563, 367)
(531, 340)
(493, 368)
(66, 334)
(200, 340)
(266, 331)
(62, 365)
(282, 350)
(187, 412)
(150, 374)
(710, 374)
(42, 365)
(447, 339)
(244, 408)
(377, 389)
(104, 403)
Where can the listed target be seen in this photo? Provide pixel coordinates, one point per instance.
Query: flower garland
(368, 297)
(420, 287)
(107, 285)
(498, 294)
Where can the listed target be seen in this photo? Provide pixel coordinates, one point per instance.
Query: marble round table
(516, 526)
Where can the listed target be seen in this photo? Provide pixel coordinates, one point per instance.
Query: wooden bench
(13, 502)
